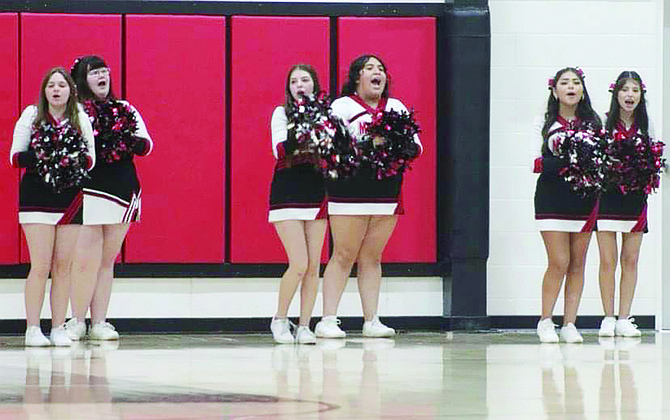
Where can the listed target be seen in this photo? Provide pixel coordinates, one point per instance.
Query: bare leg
(66, 238)
(348, 233)
(607, 248)
(40, 239)
(315, 232)
(557, 245)
(574, 281)
(113, 236)
(85, 267)
(292, 236)
(630, 254)
(379, 231)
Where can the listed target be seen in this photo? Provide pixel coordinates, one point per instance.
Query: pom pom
(583, 152)
(635, 163)
(61, 154)
(389, 142)
(323, 137)
(114, 126)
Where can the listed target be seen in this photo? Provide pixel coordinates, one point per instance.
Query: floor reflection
(424, 376)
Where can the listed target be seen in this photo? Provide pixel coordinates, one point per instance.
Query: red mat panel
(175, 74)
(263, 50)
(407, 47)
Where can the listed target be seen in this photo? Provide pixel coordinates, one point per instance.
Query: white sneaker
(304, 336)
(626, 328)
(328, 327)
(281, 331)
(103, 331)
(546, 330)
(375, 328)
(76, 329)
(35, 338)
(569, 334)
(607, 327)
(60, 337)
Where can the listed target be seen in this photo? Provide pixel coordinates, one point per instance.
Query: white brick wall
(530, 41)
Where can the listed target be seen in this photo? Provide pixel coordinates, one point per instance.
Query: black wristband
(27, 159)
(551, 165)
(291, 143)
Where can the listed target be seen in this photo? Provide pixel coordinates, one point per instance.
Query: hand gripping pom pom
(323, 137)
(390, 146)
(583, 154)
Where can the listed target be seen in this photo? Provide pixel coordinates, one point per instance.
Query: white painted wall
(235, 298)
(530, 41)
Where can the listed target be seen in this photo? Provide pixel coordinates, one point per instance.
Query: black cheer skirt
(297, 193)
(559, 208)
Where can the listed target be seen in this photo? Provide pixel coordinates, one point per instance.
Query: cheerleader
(363, 210)
(619, 212)
(564, 217)
(49, 204)
(111, 197)
(297, 210)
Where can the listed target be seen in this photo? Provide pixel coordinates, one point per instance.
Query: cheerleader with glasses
(54, 142)
(564, 215)
(112, 196)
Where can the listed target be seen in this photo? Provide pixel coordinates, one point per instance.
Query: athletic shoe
(375, 328)
(281, 331)
(304, 336)
(103, 331)
(569, 334)
(328, 327)
(76, 329)
(626, 328)
(60, 337)
(546, 330)
(607, 327)
(35, 338)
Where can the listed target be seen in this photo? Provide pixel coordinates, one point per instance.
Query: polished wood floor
(491, 375)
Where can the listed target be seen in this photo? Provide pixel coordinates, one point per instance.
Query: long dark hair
(79, 72)
(71, 108)
(585, 111)
(289, 102)
(354, 75)
(640, 113)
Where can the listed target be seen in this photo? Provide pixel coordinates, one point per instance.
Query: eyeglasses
(103, 71)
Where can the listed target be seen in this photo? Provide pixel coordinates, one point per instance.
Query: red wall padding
(407, 47)
(175, 74)
(263, 50)
(9, 113)
(49, 40)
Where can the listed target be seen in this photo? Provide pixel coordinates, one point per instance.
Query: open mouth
(102, 83)
(376, 81)
(629, 102)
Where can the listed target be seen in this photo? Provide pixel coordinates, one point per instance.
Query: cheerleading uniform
(38, 203)
(623, 212)
(113, 194)
(557, 206)
(297, 191)
(364, 194)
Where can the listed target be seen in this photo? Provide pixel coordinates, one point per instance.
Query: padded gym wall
(263, 50)
(49, 40)
(407, 47)
(175, 76)
(9, 113)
